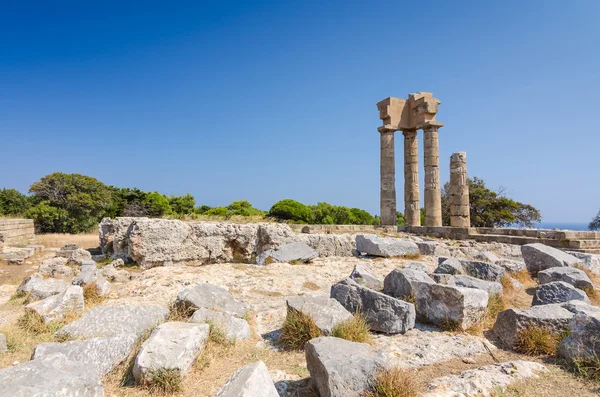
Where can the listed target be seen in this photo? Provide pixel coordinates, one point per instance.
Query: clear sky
(268, 100)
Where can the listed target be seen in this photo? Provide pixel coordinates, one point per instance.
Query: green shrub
(291, 210)
(157, 204)
(217, 211)
(13, 202)
(49, 219)
(182, 205)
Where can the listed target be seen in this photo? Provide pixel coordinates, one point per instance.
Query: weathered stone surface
(541, 257)
(450, 266)
(491, 287)
(557, 292)
(577, 307)
(440, 278)
(211, 297)
(115, 275)
(90, 275)
(235, 328)
(41, 288)
(484, 380)
(486, 256)
(483, 270)
(511, 265)
(588, 261)
(57, 307)
(75, 257)
(325, 311)
(577, 278)
(364, 276)
(55, 267)
(509, 322)
(52, 376)
(432, 248)
(385, 246)
(109, 321)
(329, 244)
(292, 252)
(253, 380)
(340, 368)
(418, 266)
(584, 338)
(172, 345)
(3, 344)
(383, 313)
(398, 283)
(101, 355)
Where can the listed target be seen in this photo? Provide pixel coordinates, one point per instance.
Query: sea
(563, 226)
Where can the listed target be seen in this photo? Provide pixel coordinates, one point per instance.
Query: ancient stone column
(412, 205)
(459, 191)
(433, 191)
(388, 177)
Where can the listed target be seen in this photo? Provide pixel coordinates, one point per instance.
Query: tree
(291, 210)
(400, 220)
(85, 199)
(157, 204)
(183, 205)
(49, 219)
(595, 223)
(243, 208)
(13, 202)
(490, 208)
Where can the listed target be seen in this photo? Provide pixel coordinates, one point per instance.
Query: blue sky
(269, 100)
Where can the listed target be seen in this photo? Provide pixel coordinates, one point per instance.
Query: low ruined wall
(16, 230)
(332, 229)
(164, 242)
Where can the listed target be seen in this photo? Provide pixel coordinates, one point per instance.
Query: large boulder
(486, 256)
(326, 312)
(56, 307)
(40, 288)
(52, 376)
(540, 257)
(208, 296)
(253, 380)
(383, 313)
(483, 270)
(484, 380)
(557, 292)
(364, 276)
(328, 245)
(432, 248)
(101, 355)
(398, 283)
(583, 341)
(449, 266)
(109, 321)
(491, 287)
(575, 277)
(511, 265)
(173, 345)
(590, 262)
(509, 322)
(340, 368)
(235, 328)
(373, 245)
(297, 252)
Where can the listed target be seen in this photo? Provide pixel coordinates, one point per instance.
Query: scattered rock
(90, 275)
(511, 265)
(432, 248)
(486, 256)
(450, 266)
(3, 345)
(387, 247)
(491, 287)
(57, 307)
(418, 266)
(109, 321)
(54, 375)
(340, 368)
(398, 283)
(253, 380)
(289, 253)
(583, 341)
(383, 313)
(77, 257)
(211, 297)
(557, 292)
(364, 276)
(440, 278)
(509, 322)
(570, 275)
(101, 354)
(484, 380)
(41, 288)
(325, 311)
(588, 261)
(483, 270)
(116, 275)
(235, 328)
(173, 345)
(540, 257)
(55, 267)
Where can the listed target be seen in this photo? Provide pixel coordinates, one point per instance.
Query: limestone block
(398, 283)
(292, 252)
(557, 292)
(540, 257)
(41, 288)
(450, 266)
(235, 328)
(385, 246)
(211, 297)
(583, 341)
(575, 277)
(3, 344)
(253, 380)
(325, 311)
(363, 275)
(57, 307)
(491, 287)
(483, 270)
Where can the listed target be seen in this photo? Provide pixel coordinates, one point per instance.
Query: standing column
(459, 191)
(433, 191)
(412, 205)
(388, 177)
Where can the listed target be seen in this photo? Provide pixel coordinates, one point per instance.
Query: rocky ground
(427, 352)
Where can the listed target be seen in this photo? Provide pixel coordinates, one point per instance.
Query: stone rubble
(235, 328)
(56, 307)
(211, 297)
(557, 292)
(386, 247)
(253, 380)
(575, 277)
(326, 312)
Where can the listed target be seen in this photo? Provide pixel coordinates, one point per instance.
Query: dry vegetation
(538, 341)
(393, 382)
(298, 328)
(355, 329)
(57, 240)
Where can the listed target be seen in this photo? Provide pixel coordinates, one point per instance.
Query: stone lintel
(387, 128)
(428, 124)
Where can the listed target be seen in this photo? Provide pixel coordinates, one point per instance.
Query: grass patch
(165, 381)
(180, 312)
(355, 329)
(587, 368)
(311, 286)
(34, 324)
(217, 335)
(393, 382)
(522, 276)
(411, 298)
(411, 256)
(450, 325)
(91, 295)
(593, 295)
(298, 328)
(538, 341)
(495, 305)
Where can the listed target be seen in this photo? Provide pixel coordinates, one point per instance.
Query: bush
(13, 202)
(182, 205)
(243, 208)
(157, 204)
(393, 382)
(49, 219)
(291, 210)
(217, 211)
(355, 329)
(298, 328)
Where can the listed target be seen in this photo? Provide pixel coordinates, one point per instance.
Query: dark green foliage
(217, 211)
(202, 209)
(157, 204)
(13, 202)
(327, 214)
(49, 219)
(243, 208)
(291, 210)
(492, 209)
(400, 221)
(595, 223)
(183, 205)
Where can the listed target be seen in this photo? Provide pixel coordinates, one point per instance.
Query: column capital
(430, 125)
(409, 133)
(386, 128)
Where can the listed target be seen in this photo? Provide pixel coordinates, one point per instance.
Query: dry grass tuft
(165, 381)
(217, 335)
(393, 382)
(311, 286)
(298, 328)
(411, 256)
(355, 329)
(538, 341)
(450, 325)
(34, 324)
(587, 368)
(495, 305)
(410, 299)
(180, 313)
(523, 276)
(91, 295)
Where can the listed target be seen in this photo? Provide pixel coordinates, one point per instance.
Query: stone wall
(16, 231)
